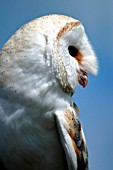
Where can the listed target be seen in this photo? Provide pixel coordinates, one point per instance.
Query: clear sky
(96, 100)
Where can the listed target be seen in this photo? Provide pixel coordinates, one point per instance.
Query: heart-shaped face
(74, 56)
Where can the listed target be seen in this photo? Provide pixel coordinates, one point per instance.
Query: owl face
(74, 56)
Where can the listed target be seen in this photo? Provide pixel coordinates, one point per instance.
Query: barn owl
(41, 66)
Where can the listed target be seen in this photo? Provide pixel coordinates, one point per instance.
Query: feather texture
(41, 66)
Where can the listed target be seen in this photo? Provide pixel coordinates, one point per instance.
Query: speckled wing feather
(72, 139)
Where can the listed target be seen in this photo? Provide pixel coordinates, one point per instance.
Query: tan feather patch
(79, 57)
(74, 129)
(67, 27)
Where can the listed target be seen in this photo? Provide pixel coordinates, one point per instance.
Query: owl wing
(72, 139)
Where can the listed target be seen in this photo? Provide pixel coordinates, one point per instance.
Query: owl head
(52, 49)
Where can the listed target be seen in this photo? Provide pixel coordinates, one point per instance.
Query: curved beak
(82, 78)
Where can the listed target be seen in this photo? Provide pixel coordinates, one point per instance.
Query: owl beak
(82, 78)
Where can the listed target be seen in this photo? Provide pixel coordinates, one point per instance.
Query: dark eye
(73, 51)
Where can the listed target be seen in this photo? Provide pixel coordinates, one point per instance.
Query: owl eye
(73, 51)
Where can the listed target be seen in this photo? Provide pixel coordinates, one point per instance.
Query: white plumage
(40, 68)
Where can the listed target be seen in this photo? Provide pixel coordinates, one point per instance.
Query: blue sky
(96, 100)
